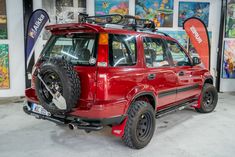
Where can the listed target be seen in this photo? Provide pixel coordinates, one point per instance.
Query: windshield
(79, 49)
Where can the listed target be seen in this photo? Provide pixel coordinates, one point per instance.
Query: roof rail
(121, 21)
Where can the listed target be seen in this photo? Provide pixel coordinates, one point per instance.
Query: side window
(178, 54)
(122, 50)
(155, 54)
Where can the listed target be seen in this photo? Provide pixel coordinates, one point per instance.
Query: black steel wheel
(209, 99)
(144, 126)
(59, 76)
(53, 81)
(140, 125)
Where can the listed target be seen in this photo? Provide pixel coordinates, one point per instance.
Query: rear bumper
(69, 118)
(90, 109)
(101, 110)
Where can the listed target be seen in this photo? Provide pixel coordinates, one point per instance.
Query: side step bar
(175, 108)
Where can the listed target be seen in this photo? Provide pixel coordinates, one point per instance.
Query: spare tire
(59, 76)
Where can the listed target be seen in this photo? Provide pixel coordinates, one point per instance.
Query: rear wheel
(140, 125)
(209, 99)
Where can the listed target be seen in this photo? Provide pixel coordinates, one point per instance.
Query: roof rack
(121, 21)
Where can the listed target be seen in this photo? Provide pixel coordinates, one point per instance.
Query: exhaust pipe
(71, 126)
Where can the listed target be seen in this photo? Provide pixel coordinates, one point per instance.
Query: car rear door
(188, 84)
(160, 73)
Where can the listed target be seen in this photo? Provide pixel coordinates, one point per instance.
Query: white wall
(16, 49)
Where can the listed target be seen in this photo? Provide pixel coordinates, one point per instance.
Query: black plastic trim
(167, 93)
(175, 91)
(106, 121)
(147, 93)
(188, 88)
(209, 78)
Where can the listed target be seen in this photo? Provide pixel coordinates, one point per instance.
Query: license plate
(40, 110)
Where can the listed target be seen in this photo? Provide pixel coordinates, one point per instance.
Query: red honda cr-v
(118, 71)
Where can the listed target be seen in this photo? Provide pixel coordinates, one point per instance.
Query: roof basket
(125, 21)
(105, 19)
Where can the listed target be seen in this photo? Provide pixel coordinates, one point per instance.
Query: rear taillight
(103, 49)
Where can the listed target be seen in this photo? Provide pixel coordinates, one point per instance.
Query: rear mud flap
(118, 130)
(198, 102)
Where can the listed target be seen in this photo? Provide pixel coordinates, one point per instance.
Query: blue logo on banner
(35, 26)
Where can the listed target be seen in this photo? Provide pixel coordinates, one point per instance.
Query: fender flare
(142, 93)
(209, 79)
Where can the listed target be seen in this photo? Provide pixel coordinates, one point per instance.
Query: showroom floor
(184, 134)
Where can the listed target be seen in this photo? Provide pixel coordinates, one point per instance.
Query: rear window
(122, 50)
(79, 49)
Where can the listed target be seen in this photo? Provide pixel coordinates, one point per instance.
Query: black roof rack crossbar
(127, 21)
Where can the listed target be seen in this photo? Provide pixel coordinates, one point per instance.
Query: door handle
(151, 76)
(181, 73)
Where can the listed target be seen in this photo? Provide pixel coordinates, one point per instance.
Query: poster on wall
(229, 59)
(63, 11)
(160, 11)
(3, 20)
(180, 36)
(230, 21)
(4, 67)
(193, 9)
(104, 7)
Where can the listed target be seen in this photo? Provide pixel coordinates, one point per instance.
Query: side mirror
(196, 61)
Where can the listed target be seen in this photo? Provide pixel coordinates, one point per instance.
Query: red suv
(118, 71)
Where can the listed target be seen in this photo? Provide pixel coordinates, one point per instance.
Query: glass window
(122, 50)
(178, 54)
(155, 54)
(77, 49)
(62, 11)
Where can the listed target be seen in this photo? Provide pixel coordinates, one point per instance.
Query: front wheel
(209, 99)
(140, 125)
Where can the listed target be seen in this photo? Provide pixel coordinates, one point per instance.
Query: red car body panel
(107, 92)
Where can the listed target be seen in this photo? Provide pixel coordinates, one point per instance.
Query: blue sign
(36, 23)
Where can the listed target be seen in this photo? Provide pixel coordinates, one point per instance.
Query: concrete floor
(180, 134)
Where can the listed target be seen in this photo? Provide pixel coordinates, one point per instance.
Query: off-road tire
(204, 108)
(70, 83)
(136, 110)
